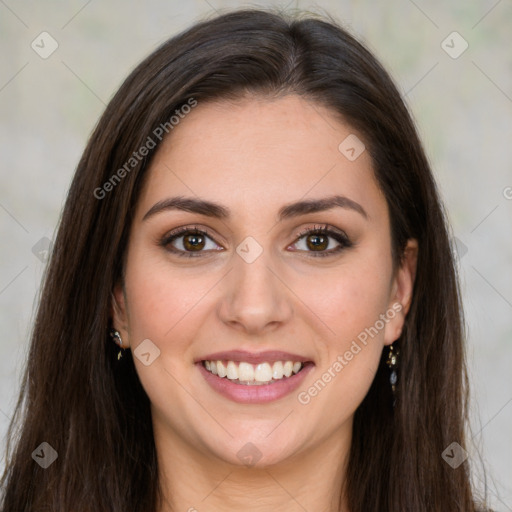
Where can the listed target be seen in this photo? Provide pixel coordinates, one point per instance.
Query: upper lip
(269, 356)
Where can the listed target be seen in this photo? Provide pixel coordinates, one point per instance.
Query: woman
(252, 302)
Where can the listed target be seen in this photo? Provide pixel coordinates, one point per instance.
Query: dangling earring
(118, 341)
(392, 363)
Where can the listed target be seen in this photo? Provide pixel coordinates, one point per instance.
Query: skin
(255, 156)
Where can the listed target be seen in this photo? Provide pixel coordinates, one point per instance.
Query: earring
(392, 363)
(118, 341)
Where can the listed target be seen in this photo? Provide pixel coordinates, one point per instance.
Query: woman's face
(244, 283)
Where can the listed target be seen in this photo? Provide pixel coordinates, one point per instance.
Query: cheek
(351, 350)
(350, 303)
(347, 301)
(162, 308)
(160, 299)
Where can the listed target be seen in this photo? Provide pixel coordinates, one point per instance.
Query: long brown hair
(93, 410)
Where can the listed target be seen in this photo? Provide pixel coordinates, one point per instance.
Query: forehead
(260, 153)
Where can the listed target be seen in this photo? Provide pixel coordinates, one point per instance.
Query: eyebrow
(215, 210)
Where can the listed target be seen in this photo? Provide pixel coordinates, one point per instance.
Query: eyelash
(325, 229)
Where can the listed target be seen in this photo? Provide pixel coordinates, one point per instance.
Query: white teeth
(232, 371)
(277, 371)
(263, 373)
(246, 373)
(221, 369)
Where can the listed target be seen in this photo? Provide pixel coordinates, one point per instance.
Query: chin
(255, 452)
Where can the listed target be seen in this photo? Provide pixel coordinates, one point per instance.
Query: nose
(255, 298)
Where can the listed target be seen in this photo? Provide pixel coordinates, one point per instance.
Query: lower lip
(256, 394)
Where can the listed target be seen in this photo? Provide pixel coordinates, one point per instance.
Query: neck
(194, 482)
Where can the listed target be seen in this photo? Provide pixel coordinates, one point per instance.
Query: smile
(256, 382)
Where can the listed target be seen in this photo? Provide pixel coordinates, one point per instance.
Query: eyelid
(321, 227)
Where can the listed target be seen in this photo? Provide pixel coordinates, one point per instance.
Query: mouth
(254, 378)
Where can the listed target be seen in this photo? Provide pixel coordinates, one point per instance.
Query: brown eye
(189, 242)
(322, 241)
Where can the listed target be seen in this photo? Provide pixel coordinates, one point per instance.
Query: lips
(248, 377)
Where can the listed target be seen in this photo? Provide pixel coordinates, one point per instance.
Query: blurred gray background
(458, 87)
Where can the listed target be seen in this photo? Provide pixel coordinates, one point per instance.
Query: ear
(401, 292)
(119, 312)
